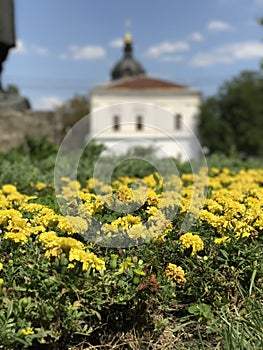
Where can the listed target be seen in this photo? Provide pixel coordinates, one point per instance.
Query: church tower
(127, 66)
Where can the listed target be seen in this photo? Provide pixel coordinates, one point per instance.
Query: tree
(232, 121)
(72, 111)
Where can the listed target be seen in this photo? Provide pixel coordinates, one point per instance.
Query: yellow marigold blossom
(6, 214)
(175, 272)
(138, 231)
(221, 240)
(110, 230)
(259, 223)
(65, 179)
(152, 197)
(92, 204)
(189, 240)
(187, 177)
(27, 331)
(71, 266)
(152, 210)
(153, 180)
(31, 207)
(169, 199)
(67, 243)
(1, 266)
(124, 194)
(78, 224)
(213, 182)
(93, 183)
(209, 217)
(139, 195)
(126, 222)
(48, 237)
(7, 189)
(157, 225)
(17, 237)
(214, 171)
(64, 225)
(89, 260)
(51, 240)
(1, 281)
(40, 186)
(16, 197)
(37, 229)
(4, 203)
(46, 217)
(213, 206)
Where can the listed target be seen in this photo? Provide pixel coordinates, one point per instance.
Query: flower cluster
(235, 205)
(175, 272)
(189, 240)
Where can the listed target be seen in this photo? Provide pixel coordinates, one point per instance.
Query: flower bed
(138, 257)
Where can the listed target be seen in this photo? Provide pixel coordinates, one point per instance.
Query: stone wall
(16, 125)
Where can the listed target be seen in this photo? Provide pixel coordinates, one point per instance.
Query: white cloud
(116, 43)
(228, 54)
(196, 36)
(218, 26)
(39, 50)
(79, 53)
(47, 103)
(167, 47)
(20, 47)
(169, 58)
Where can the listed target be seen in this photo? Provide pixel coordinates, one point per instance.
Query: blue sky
(67, 47)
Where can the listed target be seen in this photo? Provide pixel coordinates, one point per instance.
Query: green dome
(127, 66)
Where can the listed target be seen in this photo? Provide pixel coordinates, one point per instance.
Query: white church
(138, 110)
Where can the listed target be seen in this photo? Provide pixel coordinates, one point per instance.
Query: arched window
(178, 122)
(139, 124)
(116, 123)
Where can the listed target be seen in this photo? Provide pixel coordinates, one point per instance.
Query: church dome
(127, 66)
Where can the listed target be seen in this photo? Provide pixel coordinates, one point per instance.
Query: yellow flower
(27, 331)
(1, 266)
(125, 265)
(1, 281)
(221, 239)
(40, 186)
(71, 266)
(214, 171)
(76, 223)
(89, 260)
(17, 237)
(189, 240)
(7, 189)
(175, 272)
(139, 272)
(124, 194)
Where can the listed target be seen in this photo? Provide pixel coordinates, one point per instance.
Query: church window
(139, 124)
(178, 122)
(116, 123)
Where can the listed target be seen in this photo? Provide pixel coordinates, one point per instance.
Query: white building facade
(138, 110)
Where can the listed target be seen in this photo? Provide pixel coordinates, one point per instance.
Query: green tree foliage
(72, 111)
(232, 121)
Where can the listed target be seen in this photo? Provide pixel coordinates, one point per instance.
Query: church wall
(159, 122)
(186, 106)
